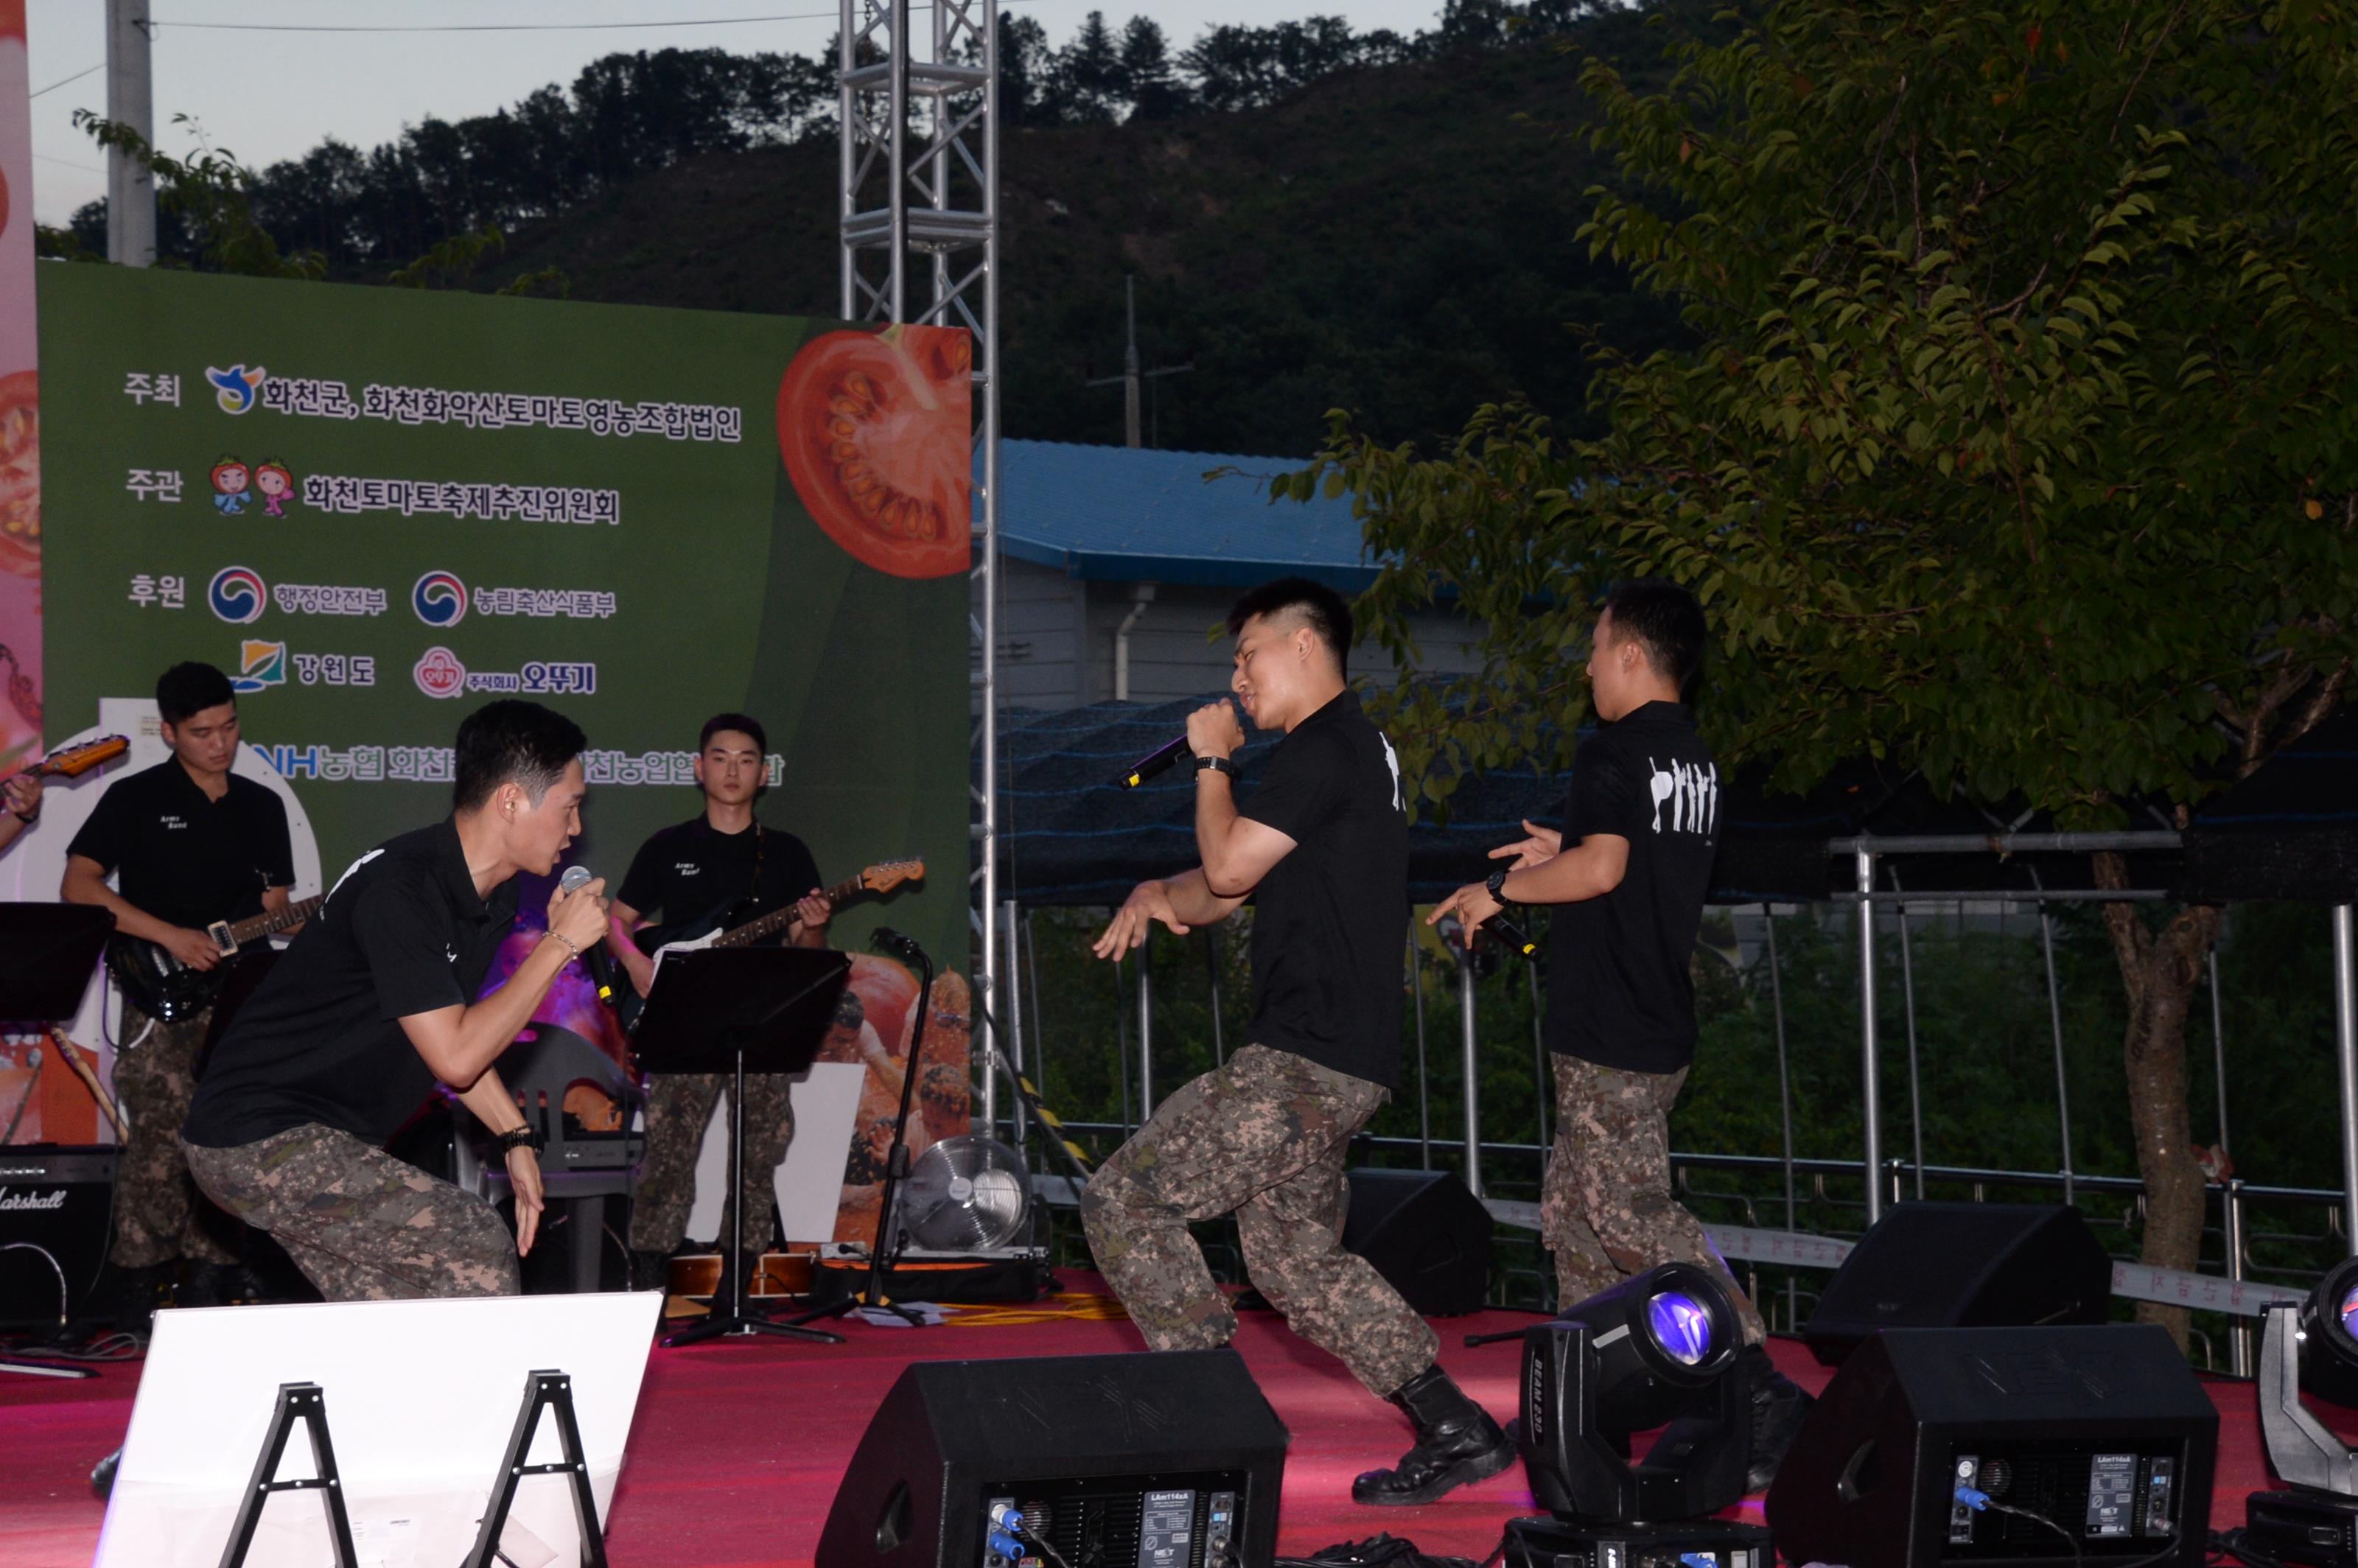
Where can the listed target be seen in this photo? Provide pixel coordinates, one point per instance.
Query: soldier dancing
(190, 843)
(1322, 848)
(1626, 879)
(721, 867)
(374, 1004)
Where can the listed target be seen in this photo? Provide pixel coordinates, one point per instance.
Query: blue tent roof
(1129, 513)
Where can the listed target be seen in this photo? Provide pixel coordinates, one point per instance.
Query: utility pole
(130, 101)
(1131, 378)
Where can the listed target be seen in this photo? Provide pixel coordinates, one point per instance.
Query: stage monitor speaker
(1963, 1265)
(1426, 1234)
(55, 1204)
(2090, 1444)
(1163, 1461)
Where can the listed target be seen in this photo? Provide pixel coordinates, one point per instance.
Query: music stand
(740, 1009)
(47, 954)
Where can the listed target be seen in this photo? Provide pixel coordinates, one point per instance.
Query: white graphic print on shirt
(1691, 792)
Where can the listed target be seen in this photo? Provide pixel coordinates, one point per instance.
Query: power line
(69, 80)
(85, 167)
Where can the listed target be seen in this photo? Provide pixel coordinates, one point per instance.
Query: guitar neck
(780, 918)
(277, 920)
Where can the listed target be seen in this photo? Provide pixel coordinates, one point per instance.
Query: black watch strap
(1216, 764)
(1498, 884)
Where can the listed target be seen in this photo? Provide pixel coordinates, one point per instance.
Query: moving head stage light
(2311, 1347)
(1659, 1350)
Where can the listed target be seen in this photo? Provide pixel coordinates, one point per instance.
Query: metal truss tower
(919, 103)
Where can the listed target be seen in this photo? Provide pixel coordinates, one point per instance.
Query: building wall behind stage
(1056, 639)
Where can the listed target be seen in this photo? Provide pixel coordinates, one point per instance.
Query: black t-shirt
(403, 932)
(185, 857)
(1620, 993)
(691, 878)
(1330, 921)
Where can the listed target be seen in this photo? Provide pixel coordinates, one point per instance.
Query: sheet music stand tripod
(47, 954)
(735, 1009)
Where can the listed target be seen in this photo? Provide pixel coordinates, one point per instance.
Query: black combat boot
(651, 1271)
(1457, 1443)
(128, 1297)
(1778, 1406)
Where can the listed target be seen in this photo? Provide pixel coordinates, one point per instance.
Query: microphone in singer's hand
(600, 962)
(1153, 765)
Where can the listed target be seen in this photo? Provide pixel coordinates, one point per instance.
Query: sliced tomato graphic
(876, 432)
(20, 473)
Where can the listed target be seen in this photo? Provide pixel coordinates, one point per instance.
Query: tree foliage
(2016, 443)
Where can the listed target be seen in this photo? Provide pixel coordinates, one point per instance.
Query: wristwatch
(1216, 764)
(517, 1138)
(1496, 884)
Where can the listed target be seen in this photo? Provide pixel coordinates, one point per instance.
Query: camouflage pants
(158, 1216)
(363, 1226)
(1264, 1139)
(679, 1107)
(1607, 1210)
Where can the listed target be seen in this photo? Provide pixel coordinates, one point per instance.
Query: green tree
(2014, 445)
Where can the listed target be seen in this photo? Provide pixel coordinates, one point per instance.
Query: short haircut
(187, 690)
(513, 739)
(743, 722)
(1320, 606)
(1664, 620)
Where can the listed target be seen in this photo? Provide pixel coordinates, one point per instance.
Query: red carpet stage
(738, 1448)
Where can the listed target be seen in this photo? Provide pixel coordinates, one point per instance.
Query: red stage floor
(738, 1448)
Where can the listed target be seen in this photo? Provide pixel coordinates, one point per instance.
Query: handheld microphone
(885, 936)
(599, 962)
(1155, 764)
(1507, 931)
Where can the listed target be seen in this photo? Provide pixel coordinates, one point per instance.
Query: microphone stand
(896, 1167)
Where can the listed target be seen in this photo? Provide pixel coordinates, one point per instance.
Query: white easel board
(421, 1397)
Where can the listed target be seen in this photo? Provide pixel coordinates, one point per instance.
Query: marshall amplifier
(55, 1205)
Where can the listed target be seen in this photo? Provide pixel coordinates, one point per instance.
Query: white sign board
(421, 1398)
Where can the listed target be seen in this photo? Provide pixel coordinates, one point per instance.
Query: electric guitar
(159, 985)
(76, 760)
(881, 878)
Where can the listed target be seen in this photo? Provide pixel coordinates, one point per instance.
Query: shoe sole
(1466, 1472)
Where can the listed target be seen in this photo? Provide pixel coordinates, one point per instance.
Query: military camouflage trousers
(1264, 1139)
(679, 1107)
(1607, 1210)
(363, 1226)
(158, 1216)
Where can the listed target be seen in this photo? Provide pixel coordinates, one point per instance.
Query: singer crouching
(1322, 847)
(372, 1004)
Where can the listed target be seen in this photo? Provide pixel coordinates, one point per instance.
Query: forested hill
(1394, 239)
(1314, 219)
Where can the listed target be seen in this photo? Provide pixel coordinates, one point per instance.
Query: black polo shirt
(183, 856)
(692, 878)
(403, 932)
(1619, 992)
(1330, 921)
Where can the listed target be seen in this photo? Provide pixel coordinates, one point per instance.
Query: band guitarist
(720, 868)
(191, 843)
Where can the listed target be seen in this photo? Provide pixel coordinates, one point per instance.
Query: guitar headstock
(889, 874)
(76, 760)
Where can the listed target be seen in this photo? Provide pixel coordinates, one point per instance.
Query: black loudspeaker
(1963, 1265)
(55, 1205)
(2101, 1433)
(1426, 1234)
(1163, 1461)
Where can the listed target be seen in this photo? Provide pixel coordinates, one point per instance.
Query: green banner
(375, 509)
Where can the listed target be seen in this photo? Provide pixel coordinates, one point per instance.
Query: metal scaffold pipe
(1870, 1077)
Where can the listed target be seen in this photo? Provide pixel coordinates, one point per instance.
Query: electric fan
(966, 1194)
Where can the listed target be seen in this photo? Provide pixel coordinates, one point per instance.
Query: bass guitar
(155, 982)
(881, 878)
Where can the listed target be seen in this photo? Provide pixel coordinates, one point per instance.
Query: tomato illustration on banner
(877, 433)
